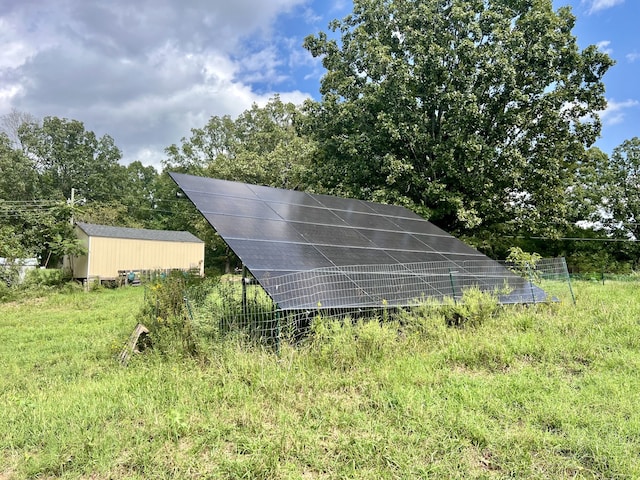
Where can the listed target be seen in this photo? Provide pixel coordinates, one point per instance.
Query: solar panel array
(278, 233)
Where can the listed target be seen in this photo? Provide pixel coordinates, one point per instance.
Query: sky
(146, 72)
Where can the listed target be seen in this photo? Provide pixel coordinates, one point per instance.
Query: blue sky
(613, 26)
(148, 71)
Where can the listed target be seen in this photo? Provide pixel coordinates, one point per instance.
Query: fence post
(530, 276)
(244, 293)
(277, 330)
(453, 286)
(188, 305)
(566, 272)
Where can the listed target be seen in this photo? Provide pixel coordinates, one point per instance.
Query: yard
(549, 391)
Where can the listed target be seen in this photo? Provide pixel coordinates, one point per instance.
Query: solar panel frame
(280, 233)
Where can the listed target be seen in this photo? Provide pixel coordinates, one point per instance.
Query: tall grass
(548, 391)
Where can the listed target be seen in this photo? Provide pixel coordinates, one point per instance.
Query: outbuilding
(116, 251)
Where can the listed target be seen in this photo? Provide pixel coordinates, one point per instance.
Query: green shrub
(167, 316)
(423, 320)
(46, 277)
(6, 293)
(473, 309)
(524, 263)
(9, 275)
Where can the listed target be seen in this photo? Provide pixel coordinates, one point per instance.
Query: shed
(20, 267)
(114, 250)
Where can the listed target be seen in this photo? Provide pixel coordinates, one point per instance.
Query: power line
(36, 200)
(578, 239)
(13, 206)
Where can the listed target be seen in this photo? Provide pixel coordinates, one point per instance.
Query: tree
(38, 169)
(67, 156)
(41, 230)
(622, 189)
(18, 178)
(474, 113)
(28, 222)
(11, 122)
(133, 203)
(262, 146)
(591, 181)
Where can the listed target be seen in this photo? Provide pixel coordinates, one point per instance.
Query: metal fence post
(566, 272)
(277, 330)
(453, 286)
(530, 277)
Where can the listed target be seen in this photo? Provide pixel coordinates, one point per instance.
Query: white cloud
(598, 5)
(603, 46)
(615, 111)
(339, 5)
(633, 57)
(262, 66)
(143, 72)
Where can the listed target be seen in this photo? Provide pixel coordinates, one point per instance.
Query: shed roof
(137, 233)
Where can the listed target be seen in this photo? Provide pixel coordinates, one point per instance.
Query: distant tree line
(479, 115)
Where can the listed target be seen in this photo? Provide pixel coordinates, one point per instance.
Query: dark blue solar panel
(342, 256)
(393, 240)
(276, 232)
(278, 256)
(366, 220)
(331, 235)
(392, 211)
(300, 213)
(234, 206)
(346, 204)
(254, 228)
(284, 196)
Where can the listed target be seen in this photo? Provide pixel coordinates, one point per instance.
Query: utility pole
(71, 202)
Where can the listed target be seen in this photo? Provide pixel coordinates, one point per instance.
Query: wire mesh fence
(381, 291)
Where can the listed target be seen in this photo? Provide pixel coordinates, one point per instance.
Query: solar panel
(278, 233)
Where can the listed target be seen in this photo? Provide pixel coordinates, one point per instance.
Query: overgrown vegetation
(182, 312)
(36, 283)
(547, 391)
(473, 309)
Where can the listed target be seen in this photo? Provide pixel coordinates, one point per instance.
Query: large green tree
(621, 191)
(473, 112)
(40, 164)
(261, 146)
(67, 156)
(134, 204)
(25, 218)
(18, 177)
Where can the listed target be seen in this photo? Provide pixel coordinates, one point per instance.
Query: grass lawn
(540, 392)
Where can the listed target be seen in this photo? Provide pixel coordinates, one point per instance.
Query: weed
(48, 277)
(167, 314)
(524, 263)
(473, 309)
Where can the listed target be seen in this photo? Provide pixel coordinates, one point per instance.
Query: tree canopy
(621, 194)
(261, 146)
(40, 164)
(473, 112)
(67, 156)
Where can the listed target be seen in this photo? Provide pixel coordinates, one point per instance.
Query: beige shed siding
(109, 255)
(79, 266)
(115, 249)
